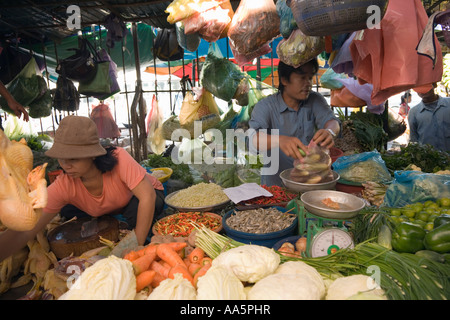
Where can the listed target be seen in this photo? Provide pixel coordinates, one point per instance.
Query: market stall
(358, 222)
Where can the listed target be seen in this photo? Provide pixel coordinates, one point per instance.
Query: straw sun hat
(76, 138)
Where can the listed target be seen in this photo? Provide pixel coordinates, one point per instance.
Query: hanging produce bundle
(254, 25)
(299, 48)
(222, 77)
(182, 9)
(210, 24)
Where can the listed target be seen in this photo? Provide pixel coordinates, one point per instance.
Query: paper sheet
(246, 191)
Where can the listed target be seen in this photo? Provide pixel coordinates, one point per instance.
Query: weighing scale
(324, 235)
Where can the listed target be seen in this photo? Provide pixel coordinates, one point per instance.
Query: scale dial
(329, 240)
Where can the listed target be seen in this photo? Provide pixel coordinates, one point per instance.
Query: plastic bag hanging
(106, 126)
(154, 123)
(254, 25)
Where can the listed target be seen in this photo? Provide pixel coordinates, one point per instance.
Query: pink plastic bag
(387, 57)
(106, 126)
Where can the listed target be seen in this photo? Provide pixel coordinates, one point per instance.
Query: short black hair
(106, 162)
(285, 70)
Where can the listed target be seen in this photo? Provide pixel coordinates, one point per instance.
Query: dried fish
(260, 221)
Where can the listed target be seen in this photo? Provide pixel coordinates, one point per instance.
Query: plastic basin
(266, 239)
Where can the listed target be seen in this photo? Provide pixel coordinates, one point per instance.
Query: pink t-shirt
(117, 186)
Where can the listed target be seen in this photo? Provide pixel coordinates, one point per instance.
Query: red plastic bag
(387, 57)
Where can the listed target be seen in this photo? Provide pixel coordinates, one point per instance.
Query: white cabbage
(249, 263)
(111, 278)
(281, 286)
(177, 288)
(219, 283)
(346, 287)
(299, 267)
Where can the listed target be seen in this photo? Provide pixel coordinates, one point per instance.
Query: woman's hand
(290, 146)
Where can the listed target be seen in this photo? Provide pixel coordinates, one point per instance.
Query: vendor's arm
(289, 145)
(145, 192)
(12, 241)
(325, 137)
(15, 107)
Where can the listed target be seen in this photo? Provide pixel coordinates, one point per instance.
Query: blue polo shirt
(430, 123)
(273, 113)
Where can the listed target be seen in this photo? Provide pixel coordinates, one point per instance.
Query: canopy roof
(45, 20)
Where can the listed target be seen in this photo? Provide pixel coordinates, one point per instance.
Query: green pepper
(408, 237)
(442, 219)
(438, 239)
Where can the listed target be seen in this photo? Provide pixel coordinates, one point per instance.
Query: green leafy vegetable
(426, 157)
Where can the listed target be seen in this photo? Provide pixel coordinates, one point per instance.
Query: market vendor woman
(300, 114)
(96, 181)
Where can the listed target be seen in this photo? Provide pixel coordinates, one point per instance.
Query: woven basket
(331, 17)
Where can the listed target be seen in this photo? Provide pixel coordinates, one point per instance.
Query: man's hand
(18, 109)
(291, 145)
(324, 138)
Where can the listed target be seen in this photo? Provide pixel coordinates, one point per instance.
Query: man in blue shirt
(429, 121)
(291, 119)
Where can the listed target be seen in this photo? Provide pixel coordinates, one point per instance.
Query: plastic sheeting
(387, 57)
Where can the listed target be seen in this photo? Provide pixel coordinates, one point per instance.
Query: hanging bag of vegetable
(254, 25)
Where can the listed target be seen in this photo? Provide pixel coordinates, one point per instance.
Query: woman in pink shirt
(96, 181)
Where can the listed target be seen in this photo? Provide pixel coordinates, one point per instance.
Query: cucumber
(432, 255)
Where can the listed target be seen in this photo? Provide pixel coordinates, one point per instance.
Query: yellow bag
(192, 109)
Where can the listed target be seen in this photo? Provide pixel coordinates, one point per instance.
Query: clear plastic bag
(299, 48)
(219, 75)
(315, 167)
(209, 24)
(189, 42)
(254, 25)
(181, 9)
(197, 107)
(287, 20)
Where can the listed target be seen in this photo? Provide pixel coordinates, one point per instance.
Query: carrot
(205, 260)
(201, 272)
(193, 268)
(196, 255)
(166, 253)
(131, 256)
(158, 267)
(147, 249)
(151, 248)
(144, 279)
(177, 246)
(184, 272)
(157, 279)
(142, 264)
(186, 262)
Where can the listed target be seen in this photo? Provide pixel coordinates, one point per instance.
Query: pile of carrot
(159, 261)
